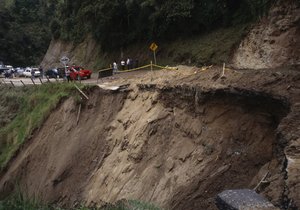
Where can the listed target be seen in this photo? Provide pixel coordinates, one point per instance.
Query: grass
(23, 111)
(131, 205)
(214, 47)
(19, 202)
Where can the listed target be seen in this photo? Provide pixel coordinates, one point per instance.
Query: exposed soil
(173, 138)
(274, 41)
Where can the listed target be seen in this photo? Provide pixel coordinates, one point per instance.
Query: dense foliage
(24, 30)
(118, 23)
(27, 26)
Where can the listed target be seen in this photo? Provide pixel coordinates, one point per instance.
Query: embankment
(175, 146)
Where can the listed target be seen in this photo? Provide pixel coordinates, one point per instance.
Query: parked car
(9, 71)
(78, 73)
(55, 73)
(19, 72)
(3, 68)
(27, 72)
(52, 73)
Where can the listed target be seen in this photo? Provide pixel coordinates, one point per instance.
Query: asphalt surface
(22, 81)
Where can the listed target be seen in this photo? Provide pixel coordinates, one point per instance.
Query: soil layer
(173, 138)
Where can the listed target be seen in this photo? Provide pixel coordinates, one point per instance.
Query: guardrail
(29, 82)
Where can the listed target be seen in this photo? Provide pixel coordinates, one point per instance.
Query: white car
(19, 72)
(27, 72)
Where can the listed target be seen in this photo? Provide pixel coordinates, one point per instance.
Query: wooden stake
(223, 73)
(23, 83)
(78, 114)
(81, 92)
(151, 64)
(32, 81)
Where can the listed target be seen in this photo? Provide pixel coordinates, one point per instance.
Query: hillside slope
(214, 47)
(176, 140)
(274, 41)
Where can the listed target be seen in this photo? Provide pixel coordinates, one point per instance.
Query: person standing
(41, 71)
(32, 73)
(128, 63)
(115, 67)
(68, 75)
(123, 64)
(6, 74)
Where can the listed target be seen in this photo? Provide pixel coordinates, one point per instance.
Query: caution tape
(165, 67)
(206, 68)
(105, 69)
(228, 69)
(142, 67)
(135, 69)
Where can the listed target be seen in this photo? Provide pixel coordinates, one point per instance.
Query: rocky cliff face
(84, 54)
(274, 41)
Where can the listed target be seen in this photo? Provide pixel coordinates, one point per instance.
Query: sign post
(65, 60)
(154, 47)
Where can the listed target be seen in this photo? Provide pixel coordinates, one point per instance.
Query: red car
(78, 73)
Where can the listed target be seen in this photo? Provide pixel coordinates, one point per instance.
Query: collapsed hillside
(172, 138)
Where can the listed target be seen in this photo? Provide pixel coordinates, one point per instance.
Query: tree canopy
(117, 23)
(27, 26)
(24, 30)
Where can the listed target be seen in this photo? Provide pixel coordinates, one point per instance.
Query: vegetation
(24, 30)
(23, 111)
(119, 23)
(27, 26)
(19, 202)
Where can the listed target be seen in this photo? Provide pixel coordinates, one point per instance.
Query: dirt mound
(176, 139)
(274, 41)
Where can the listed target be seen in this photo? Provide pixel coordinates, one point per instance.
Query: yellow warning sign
(153, 46)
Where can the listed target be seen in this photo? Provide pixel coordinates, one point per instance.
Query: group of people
(9, 73)
(125, 65)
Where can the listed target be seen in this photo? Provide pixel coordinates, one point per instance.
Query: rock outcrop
(274, 41)
(84, 54)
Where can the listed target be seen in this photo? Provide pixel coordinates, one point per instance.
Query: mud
(175, 139)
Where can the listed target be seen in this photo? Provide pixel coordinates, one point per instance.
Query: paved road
(22, 81)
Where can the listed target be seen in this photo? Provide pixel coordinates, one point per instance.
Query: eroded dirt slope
(174, 138)
(274, 41)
